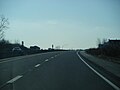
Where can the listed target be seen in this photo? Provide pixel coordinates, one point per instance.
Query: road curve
(51, 71)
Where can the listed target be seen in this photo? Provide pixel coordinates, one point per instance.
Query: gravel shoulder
(109, 66)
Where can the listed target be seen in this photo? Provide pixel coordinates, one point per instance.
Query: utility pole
(52, 46)
(22, 43)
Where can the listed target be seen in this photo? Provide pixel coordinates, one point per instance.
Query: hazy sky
(67, 23)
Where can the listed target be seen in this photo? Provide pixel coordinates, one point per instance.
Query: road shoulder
(105, 67)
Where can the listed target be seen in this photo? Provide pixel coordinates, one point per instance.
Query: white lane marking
(100, 75)
(46, 60)
(15, 79)
(20, 57)
(52, 57)
(56, 55)
(10, 60)
(37, 65)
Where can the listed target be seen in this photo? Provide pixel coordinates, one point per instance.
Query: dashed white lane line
(56, 55)
(20, 76)
(100, 75)
(15, 79)
(46, 60)
(52, 57)
(37, 65)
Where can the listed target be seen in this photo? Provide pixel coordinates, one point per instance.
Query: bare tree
(104, 41)
(3, 26)
(17, 41)
(98, 42)
(57, 47)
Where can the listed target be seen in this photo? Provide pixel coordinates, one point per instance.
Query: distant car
(17, 51)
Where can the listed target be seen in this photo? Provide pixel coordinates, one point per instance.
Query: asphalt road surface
(64, 70)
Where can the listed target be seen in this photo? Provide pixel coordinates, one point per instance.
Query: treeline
(6, 49)
(110, 48)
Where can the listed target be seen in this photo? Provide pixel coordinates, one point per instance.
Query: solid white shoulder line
(100, 75)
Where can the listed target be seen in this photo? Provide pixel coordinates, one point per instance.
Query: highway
(61, 70)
